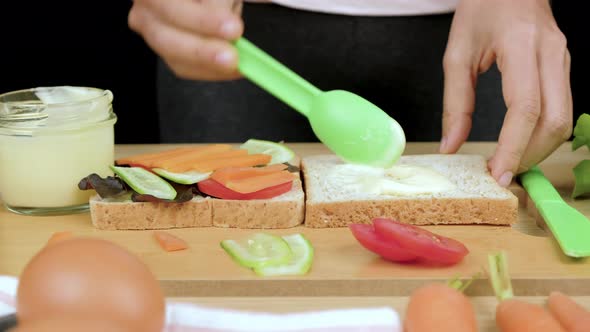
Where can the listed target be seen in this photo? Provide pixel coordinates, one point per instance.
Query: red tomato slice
(389, 250)
(427, 245)
(216, 189)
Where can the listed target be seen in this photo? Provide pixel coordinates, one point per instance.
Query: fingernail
(230, 29)
(505, 179)
(225, 58)
(443, 145)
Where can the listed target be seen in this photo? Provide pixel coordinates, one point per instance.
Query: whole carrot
(572, 316)
(514, 315)
(440, 307)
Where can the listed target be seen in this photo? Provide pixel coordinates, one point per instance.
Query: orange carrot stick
(438, 307)
(224, 175)
(170, 242)
(58, 236)
(241, 161)
(514, 315)
(259, 182)
(572, 316)
(212, 152)
(147, 157)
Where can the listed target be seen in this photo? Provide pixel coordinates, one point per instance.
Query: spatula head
(355, 129)
(570, 228)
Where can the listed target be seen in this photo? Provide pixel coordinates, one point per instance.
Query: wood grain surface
(341, 266)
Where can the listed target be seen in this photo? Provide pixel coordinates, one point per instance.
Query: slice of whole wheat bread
(111, 215)
(477, 198)
(284, 211)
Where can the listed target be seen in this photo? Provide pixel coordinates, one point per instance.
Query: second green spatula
(352, 127)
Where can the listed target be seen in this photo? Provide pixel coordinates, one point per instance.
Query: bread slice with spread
(418, 189)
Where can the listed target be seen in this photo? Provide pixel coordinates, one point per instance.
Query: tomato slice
(216, 189)
(372, 241)
(425, 244)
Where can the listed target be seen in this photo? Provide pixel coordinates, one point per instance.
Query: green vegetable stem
(499, 276)
(582, 170)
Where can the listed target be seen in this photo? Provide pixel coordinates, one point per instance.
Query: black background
(89, 43)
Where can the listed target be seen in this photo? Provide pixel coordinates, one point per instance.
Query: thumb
(460, 77)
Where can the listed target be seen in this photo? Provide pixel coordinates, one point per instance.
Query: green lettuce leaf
(582, 132)
(112, 188)
(582, 175)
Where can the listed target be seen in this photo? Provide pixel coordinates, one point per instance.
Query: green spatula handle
(538, 186)
(274, 77)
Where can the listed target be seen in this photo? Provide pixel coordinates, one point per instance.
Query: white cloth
(188, 317)
(370, 7)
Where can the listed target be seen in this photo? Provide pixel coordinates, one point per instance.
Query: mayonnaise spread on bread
(398, 180)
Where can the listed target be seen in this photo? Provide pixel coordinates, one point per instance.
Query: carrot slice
(58, 236)
(169, 242)
(207, 150)
(256, 183)
(241, 161)
(152, 159)
(224, 175)
(186, 162)
(146, 157)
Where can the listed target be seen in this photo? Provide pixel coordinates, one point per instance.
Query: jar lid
(54, 109)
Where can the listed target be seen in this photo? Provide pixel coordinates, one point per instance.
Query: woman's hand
(192, 36)
(531, 53)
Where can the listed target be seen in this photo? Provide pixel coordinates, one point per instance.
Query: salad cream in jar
(51, 138)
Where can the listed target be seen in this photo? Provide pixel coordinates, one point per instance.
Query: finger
(458, 99)
(520, 87)
(570, 103)
(556, 120)
(179, 47)
(234, 5)
(203, 73)
(199, 17)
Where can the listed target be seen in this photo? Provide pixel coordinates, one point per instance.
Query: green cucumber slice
(145, 182)
(279, 152)
(258, 250)
(300, 262)
(182, 178)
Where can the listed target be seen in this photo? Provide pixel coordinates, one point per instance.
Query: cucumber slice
(300, 262)
(279, 152)
(182, 178)
(145, 182)
(258, 250)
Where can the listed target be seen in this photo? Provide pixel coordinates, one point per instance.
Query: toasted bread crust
(273, 213)
(417, 212)
(284, 211)
(144, 215)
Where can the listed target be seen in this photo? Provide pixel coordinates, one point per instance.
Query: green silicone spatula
(352, 127)
(570, 228)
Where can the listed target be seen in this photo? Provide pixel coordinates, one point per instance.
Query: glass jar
(51, 138)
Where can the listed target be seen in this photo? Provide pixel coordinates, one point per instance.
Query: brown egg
(91, 278)
(71, 325)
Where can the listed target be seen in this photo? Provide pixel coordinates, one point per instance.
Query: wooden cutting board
(341, 266)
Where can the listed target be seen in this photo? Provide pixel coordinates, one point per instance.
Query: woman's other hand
(531, 52)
